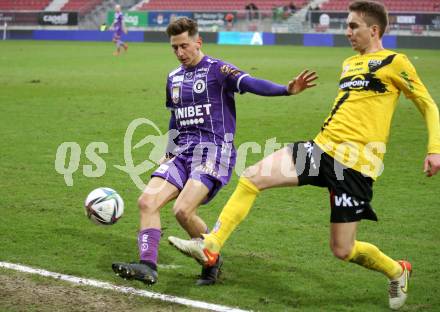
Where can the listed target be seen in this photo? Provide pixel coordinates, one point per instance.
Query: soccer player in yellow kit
(346, 156)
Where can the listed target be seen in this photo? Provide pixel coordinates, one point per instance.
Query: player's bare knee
(183, 216)
(182, 213)
(252, 174)
(147, 203)
(340, 252)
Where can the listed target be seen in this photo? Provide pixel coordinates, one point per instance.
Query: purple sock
(148, 243)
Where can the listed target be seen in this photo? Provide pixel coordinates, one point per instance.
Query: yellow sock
(235, 210)
(370, 257)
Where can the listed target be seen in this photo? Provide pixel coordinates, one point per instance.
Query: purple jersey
(117, 22)
(202, 101)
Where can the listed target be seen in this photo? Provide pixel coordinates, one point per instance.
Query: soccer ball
(104, 206)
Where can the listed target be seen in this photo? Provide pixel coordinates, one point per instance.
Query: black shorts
(350, 191)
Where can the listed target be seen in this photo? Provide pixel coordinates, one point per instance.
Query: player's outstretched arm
(429, 110)
(268, 88)
(302, 82)
(432, 164)
(413, 88)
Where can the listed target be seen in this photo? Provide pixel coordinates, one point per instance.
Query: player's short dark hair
(373, 12)
(181, 25)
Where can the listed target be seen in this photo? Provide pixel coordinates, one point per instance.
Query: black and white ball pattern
(104, 206)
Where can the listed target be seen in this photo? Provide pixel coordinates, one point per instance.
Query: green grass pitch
(278, 259)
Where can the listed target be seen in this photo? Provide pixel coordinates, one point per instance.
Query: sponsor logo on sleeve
(175, 94)
(408, 80)
(228, 70)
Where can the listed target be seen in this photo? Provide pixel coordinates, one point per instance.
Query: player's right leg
(276, 170)
(157, 194)
(193, 194)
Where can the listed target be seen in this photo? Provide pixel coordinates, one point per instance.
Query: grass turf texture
(278, 259)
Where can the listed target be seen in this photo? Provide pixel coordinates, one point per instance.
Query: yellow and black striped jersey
(357, 130)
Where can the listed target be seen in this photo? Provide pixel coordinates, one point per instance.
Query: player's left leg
(344, 246)
(190, 198)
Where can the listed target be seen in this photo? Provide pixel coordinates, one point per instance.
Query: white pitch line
(121, 289)
(168, 266)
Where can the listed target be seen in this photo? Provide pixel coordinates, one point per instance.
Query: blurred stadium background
(267, 22)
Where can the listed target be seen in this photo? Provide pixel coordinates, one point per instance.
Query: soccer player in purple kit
(200, 97)
(118, 27)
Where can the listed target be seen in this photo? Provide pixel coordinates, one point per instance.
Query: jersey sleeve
(406, 78)
(172, 123)
(171, 143)
(410, 84)
(429, 110)
(168, 100)
(229, 76)
(262, 87)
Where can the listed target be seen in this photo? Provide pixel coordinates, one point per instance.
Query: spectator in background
(311, 9)
(252, 11)
(315, 8)
(229, 18)
(277, 13)
(256, 13)
(288, 10)
(292, 7)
